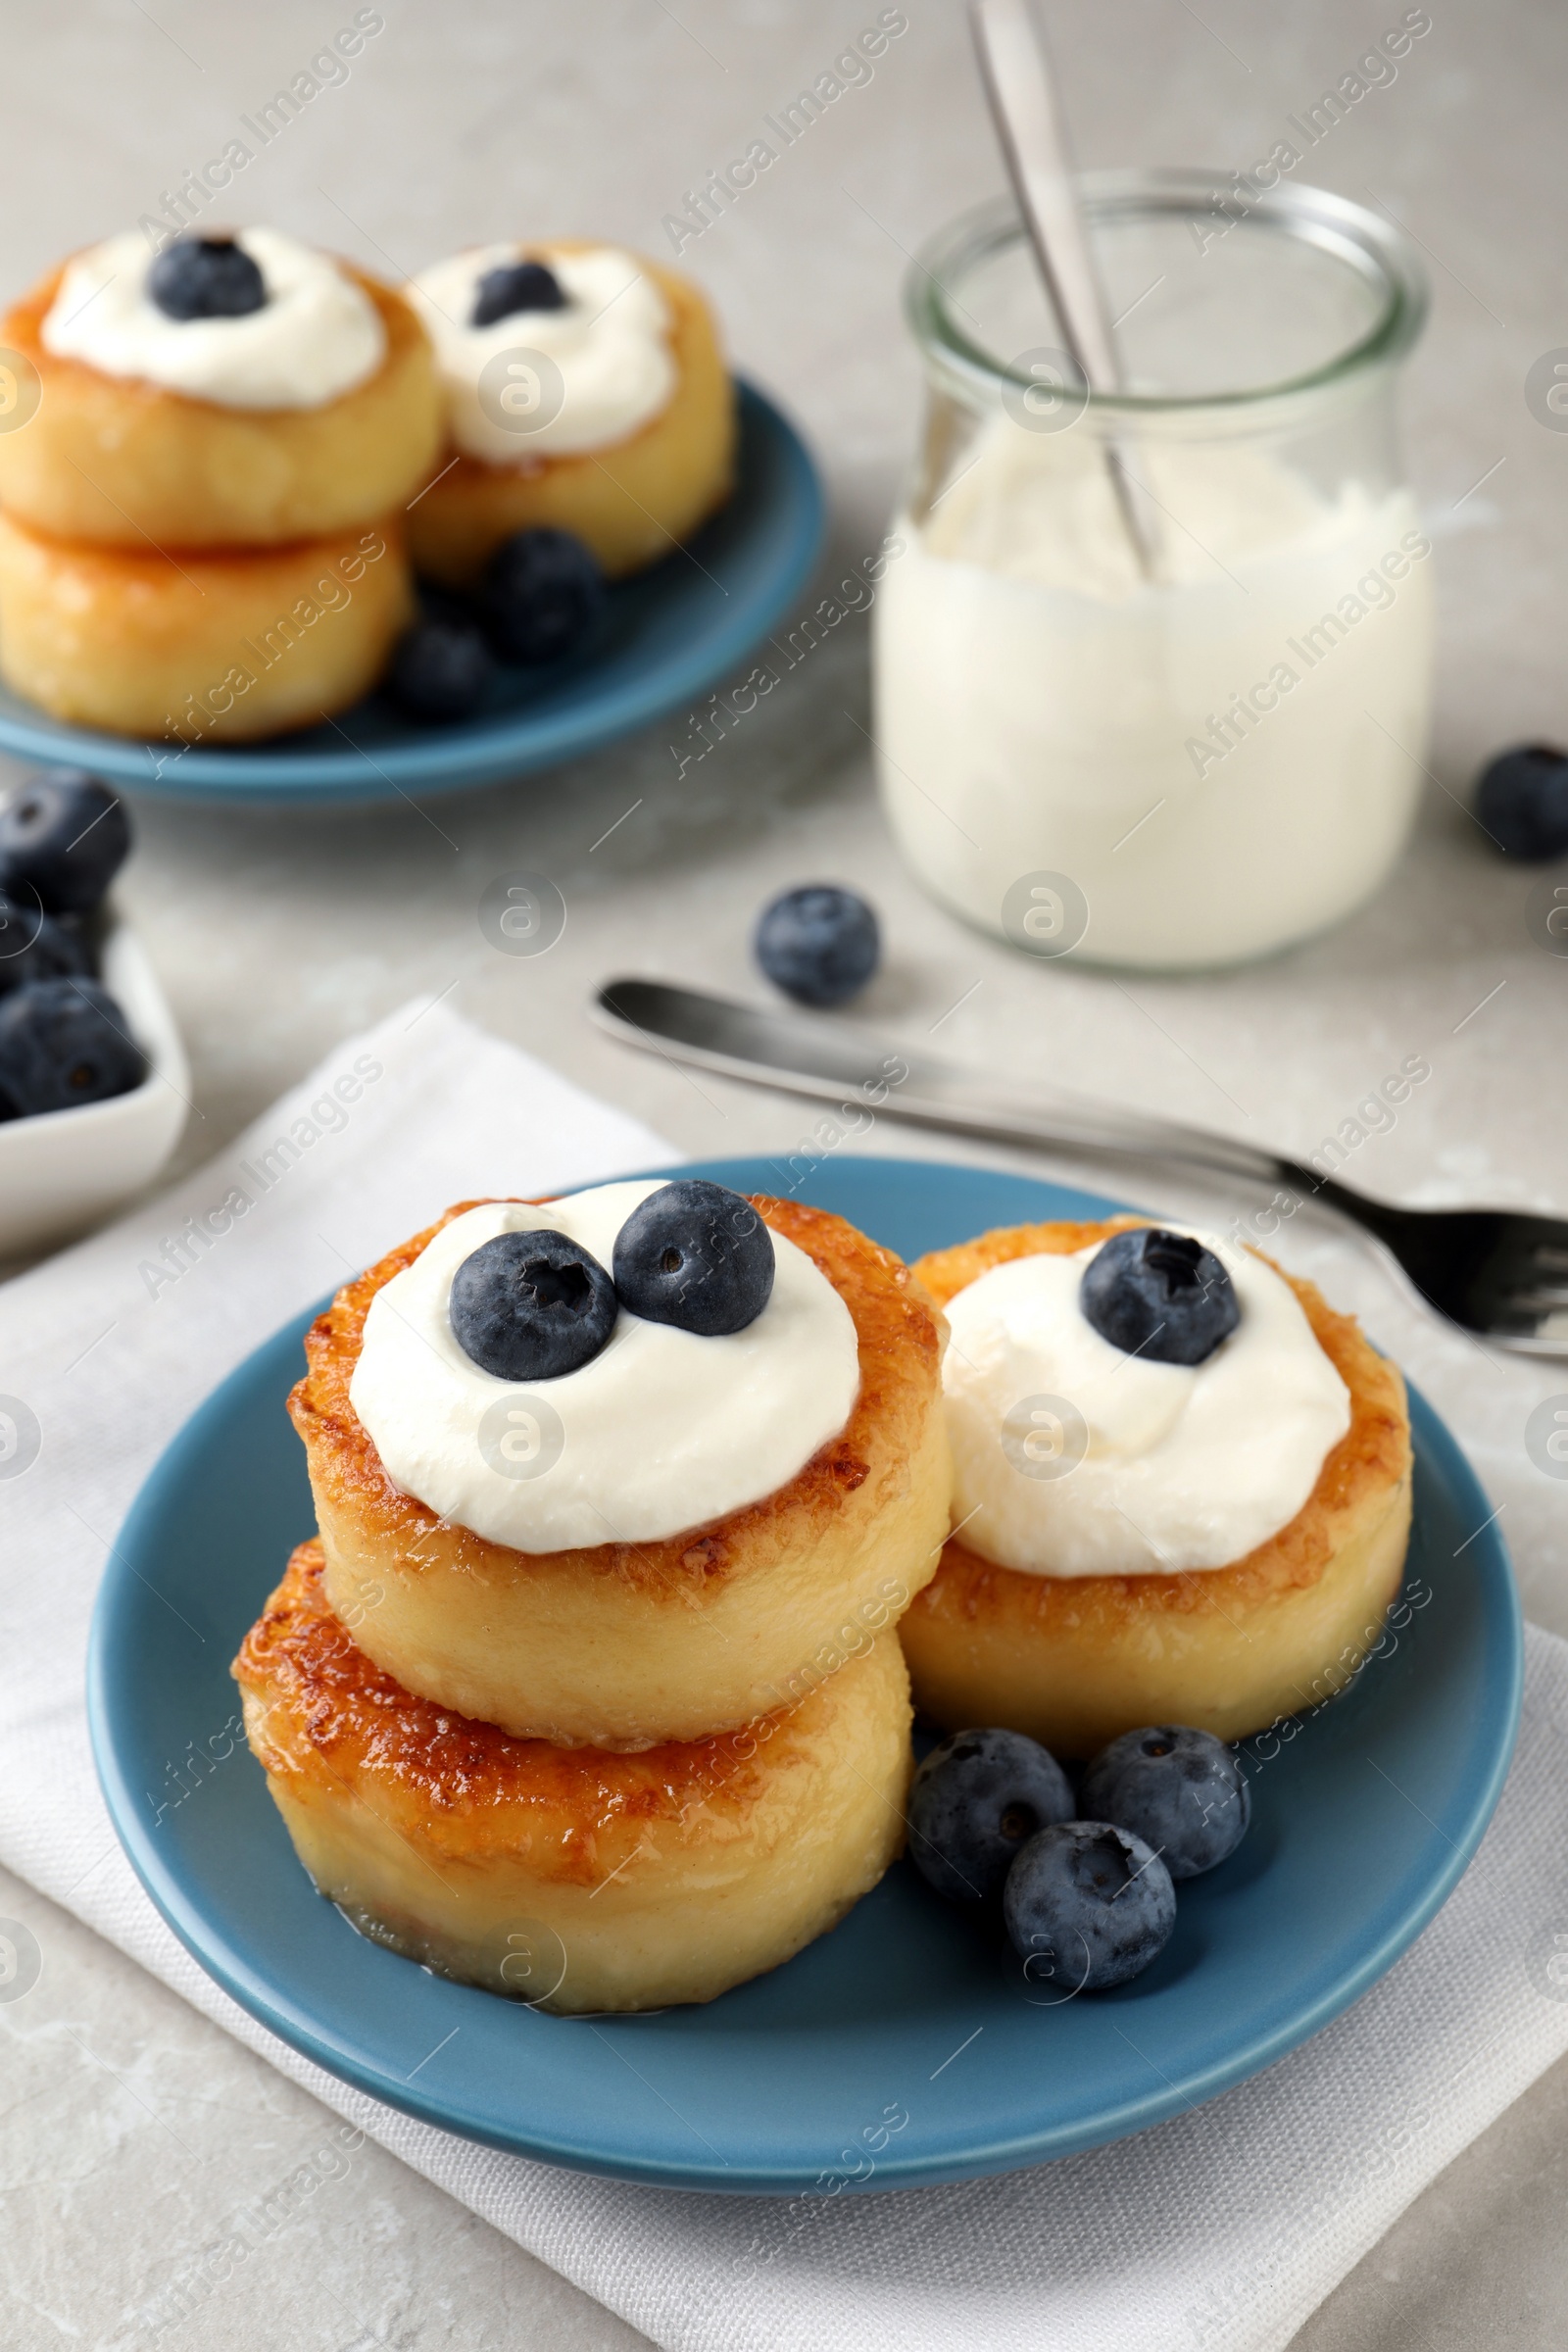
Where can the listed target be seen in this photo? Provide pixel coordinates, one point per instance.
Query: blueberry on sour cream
(515, 287)
(531, 1305)
(1160, 1295)
(206, 277)
(697, 1255)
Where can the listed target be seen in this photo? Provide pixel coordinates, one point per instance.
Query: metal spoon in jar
(1016, 75)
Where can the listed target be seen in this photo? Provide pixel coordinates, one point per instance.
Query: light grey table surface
(135, 2129)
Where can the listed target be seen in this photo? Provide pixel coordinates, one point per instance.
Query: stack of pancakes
(617, 1777)
(177, 568)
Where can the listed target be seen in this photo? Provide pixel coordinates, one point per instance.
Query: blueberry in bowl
(697, 1255)
(83, 1023)
(531, 1305)
(1160, 1295)
(441, 670)
(36, 947)
(64, 1043)
(1088, 1906)
(63, 836)
(818, 943)
(1182, 1790)
(542, 590)
(975, 1801)
(1522, 802)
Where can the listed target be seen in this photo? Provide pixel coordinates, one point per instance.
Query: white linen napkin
(1223, 2228)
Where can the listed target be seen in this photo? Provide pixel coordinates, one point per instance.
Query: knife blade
(830, 1061)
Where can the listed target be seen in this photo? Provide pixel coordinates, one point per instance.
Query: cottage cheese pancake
(663, 1430)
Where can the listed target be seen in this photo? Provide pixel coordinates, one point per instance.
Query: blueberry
(206, 277)
(694, 1254)
(515, 287)
(818, 944)
(977, 1797)
(1160, 1295)
(64, 837)
(1087, 1906)
(1180, 1790)
(543, 591)
(1522, 801)
(531, 1305)
(34, 947)
(440, 669)
(63, 1042)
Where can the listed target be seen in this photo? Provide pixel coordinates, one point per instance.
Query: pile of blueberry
(63, 836)
(541, 594)
(534, 1305)
(1085, 1883)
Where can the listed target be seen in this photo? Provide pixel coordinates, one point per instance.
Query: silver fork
(1497, 1273)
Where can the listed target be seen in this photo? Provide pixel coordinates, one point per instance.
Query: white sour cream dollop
(606, 368)
(317, 336)
(1153, 1468)
(660, 1432)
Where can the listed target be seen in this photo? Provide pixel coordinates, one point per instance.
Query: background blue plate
(1362, 1823)
(670, 635)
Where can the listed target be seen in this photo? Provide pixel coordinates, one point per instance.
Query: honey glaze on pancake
(900, 1342)
(567, 1814)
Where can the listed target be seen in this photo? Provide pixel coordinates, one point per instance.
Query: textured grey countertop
(135, 2130)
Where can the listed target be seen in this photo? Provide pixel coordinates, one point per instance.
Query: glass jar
(1152, 672)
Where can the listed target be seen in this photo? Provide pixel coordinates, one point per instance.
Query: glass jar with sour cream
(1152, 672)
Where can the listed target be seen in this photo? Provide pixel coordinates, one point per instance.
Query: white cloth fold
(1221, 2229)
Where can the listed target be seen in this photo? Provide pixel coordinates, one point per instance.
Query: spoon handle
(1021, 92)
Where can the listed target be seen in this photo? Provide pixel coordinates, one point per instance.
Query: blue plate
(669, 636)
(901, 2048)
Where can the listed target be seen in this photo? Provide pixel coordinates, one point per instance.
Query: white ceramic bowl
(64, 1169)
